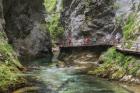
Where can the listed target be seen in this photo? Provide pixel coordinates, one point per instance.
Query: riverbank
(115, 65)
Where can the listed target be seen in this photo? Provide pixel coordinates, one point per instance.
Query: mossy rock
(110, 71)
(103, 70)
(9, 65)
(115, 65)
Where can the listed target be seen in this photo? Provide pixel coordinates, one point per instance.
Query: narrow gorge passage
(69, 46)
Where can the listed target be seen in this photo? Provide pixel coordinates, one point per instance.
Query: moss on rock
(115, 65)
(9, 64)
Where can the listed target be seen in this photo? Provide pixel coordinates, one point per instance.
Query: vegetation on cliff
(129, 27)
(50, 5)
(55, 28)
(9, 65)
(116, 65)
(53, 20)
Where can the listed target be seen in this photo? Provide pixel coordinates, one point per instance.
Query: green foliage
(129, 27)
(50, 5)
(8, 64)
(8, 76)
(109, 70)
(53, 23)
(111, 56)
(7, 54)
(55, 28)
(116, 65)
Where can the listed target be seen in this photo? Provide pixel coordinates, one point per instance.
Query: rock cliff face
(25, 28)
(94, 19)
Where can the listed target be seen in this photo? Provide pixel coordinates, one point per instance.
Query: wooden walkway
(81, 44)
(121, 46)
(127, 47)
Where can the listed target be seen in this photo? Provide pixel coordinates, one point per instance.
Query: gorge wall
(94, 19)
(23, 37)
(100, 20)
(26, 30)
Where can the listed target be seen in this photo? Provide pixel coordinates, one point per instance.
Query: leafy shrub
(111, 56)
(53, 22)
(8, 64)
(7, 54)
(50, 5)
(129, 27)
(55, 28)
(8, 76)
(115, 65)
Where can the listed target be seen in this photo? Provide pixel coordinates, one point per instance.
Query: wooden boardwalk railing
(131, 47)
(122, 46)
(80, 44)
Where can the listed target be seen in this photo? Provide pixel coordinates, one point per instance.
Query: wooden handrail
(91, 43)
(134, 48)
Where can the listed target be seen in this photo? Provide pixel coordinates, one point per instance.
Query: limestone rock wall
(25, 28)
(94, 19)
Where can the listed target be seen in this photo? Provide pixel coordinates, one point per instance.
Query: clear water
(65, 80)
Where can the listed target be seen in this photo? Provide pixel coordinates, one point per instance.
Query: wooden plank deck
(121, 46)
(132, 50)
